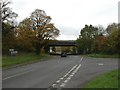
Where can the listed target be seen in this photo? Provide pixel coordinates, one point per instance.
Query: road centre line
(100, 64)
(72, 68)
(69, 78)
(60, 79)
(70, 74)
(62, 85)
(69, 71)
(61, 82)
(66, 81)
(57, 81)
(53, 85)
(81, 60)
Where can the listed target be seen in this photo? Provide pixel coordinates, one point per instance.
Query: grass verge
(103, 56)
(8, 61)
(107, 80)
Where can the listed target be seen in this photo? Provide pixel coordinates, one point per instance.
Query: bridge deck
(63, 43)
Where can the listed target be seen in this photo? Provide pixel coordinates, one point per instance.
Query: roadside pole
(0, 46)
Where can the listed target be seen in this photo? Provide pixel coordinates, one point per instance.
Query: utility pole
(0, 46)
(0, 20)
(0, 31)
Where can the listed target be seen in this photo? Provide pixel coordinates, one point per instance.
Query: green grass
(107, 80)
(103, 56)
(8, 61)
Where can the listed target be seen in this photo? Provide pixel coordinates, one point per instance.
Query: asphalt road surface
(66, 72)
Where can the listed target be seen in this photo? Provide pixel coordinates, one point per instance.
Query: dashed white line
(100, 64)
(71, 75)
(58, 81)
(62, 85)
(72, 71)
(53, 85)
(81, 60)
(65, 81)
(65, 75)
(78, 67)
(69, 78)
(61, 78)
(73, 67)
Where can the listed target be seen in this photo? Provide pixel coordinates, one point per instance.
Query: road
(67, 72)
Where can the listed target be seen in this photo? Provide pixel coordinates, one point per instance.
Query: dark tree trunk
(38, 48)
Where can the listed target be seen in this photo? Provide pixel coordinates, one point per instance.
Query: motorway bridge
(63, 43)
(60, 44)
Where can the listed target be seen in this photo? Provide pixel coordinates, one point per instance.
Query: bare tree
(43, 28)
(7, 15)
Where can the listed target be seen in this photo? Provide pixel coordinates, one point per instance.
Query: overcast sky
(70, 16)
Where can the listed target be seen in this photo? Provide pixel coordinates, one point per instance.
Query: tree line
(97, 40)
(31, 34)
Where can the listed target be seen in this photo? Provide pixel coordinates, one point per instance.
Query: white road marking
(53, 85)
(72, 68)
(69, 78)
(71, 75)
(81, 60)
(61, 78)
(65, 81)
(65, 75)
(62, 85)
(72, 71)
(100, 64)
(58, 81)
(79, 66)
(75, 71)
(16, 75)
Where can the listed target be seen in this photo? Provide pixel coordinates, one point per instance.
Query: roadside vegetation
(103, 55)
(32, 34)
(29, 37)
(99, 40)
(25, 58)
(107, 80)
